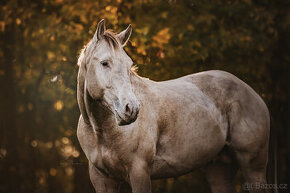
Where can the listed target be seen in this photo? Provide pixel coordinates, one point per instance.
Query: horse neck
(141, 86)
(100, 117)
(104, 119)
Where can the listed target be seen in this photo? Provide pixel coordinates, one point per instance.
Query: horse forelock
(112, 39)
(109, 36)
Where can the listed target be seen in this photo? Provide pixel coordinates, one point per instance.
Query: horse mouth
(123, 121)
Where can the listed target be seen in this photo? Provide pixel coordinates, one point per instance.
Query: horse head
(105, 74)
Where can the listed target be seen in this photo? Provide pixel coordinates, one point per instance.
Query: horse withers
(133, 129)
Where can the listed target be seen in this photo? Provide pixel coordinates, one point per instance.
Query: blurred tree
(40, 41)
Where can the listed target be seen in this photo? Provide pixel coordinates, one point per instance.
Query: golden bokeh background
(40, 42)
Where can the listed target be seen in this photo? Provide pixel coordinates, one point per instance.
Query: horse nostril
(128, 109)
(131, 110)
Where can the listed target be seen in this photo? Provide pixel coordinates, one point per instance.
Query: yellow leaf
(164, 14)
(79, 27)
(108, 8)
(190, 27)
(2, 26)
(18, 21)
(197, 43)
(161, 38)
(58, 105)
(50, 55)
(52, 171)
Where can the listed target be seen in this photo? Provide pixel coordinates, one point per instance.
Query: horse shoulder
(88, 140)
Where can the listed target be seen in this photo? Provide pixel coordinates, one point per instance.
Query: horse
(133, 129)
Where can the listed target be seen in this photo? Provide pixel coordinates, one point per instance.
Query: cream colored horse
(133, 129)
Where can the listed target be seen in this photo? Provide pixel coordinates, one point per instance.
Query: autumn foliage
(40, 42)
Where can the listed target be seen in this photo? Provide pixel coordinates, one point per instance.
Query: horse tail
(272, 157)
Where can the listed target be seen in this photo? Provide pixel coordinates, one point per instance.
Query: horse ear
(124, 36)
(101, 28)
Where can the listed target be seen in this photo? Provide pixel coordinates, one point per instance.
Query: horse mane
(134, 69)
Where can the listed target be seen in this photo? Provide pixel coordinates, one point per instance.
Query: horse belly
(183, 147)
(176, 162)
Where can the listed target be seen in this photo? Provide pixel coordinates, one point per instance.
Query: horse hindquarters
(249, 138)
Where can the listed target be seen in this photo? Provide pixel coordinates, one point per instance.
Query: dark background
(40, 42)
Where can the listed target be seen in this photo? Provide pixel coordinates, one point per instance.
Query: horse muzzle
(129, 113)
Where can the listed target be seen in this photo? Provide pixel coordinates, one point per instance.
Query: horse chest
(110, 163)
(104, 158)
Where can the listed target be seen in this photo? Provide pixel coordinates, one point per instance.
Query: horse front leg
(101, 183)
(139, 175)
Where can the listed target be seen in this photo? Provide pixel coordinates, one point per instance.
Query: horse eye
(105, 63)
